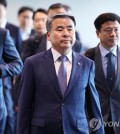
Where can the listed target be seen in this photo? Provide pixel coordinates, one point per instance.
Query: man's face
(109, 34)
(56, 11)
(40, 22)
(62, 34)
(25, 19)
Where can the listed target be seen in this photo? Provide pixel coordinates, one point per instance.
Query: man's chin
(112, 45)
(66, 45)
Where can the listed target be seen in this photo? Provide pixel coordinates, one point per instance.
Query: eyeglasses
(110, 30)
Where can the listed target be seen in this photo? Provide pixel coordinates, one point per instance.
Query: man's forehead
(111, 24)
(62, 15)
(61, 20)
(62, 25)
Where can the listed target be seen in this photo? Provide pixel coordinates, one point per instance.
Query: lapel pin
(78, 63)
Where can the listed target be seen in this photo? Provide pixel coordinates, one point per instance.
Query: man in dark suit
(12, 65)
(14, 30)
(45, 105)
(8, 81)
(108, 29)
(35, 44)
(38, 41)
(25, 14)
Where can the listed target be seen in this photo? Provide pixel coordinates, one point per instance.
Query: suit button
(63, 104)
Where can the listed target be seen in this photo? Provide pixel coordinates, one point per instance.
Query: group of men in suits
(38, 42)
(43, 109)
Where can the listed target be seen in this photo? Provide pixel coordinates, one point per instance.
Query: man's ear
(48, 36)
(97, 33)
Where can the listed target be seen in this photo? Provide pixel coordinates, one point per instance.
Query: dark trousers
(109, 129)
(61, 132)
(2, 125)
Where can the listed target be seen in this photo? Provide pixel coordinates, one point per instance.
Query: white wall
(85, 12)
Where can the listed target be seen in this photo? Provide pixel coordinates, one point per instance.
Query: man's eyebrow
(69, 26)
(60, 26)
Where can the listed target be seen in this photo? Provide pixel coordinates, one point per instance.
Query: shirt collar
(56, 55)
(104, 51)
(28, 31)
(3, 23)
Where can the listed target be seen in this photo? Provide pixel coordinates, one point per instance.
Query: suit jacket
(15, 34)
(35, 44)
(17, 40)
(43, 109)
(109, 99)
(12, 64)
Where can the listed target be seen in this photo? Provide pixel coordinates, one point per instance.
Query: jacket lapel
(117, 80)
(76, 66)
(99, 73)
(43, 42)
(48, 64)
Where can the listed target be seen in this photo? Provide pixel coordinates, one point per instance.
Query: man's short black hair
(105, 17)
(3, 2)
(60, 15)
(23, 9)
(39, 10)
(59, 5)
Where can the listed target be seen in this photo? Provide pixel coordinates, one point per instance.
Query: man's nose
(113, 33)
(65, 33)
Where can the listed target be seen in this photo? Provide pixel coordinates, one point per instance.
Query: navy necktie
(110, 70)
(62, 74)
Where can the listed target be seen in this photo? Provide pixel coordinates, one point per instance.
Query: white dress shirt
(48, 46)
(57, 63)
(25, 34)
(3, 23)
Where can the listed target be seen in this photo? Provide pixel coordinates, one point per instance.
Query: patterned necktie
(110, 70)
(62, 74)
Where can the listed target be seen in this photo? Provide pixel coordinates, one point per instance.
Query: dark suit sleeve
(11, 63)
(93, 105)
(26, 99)
(18, 41)
(16, 35)
(27, 49)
